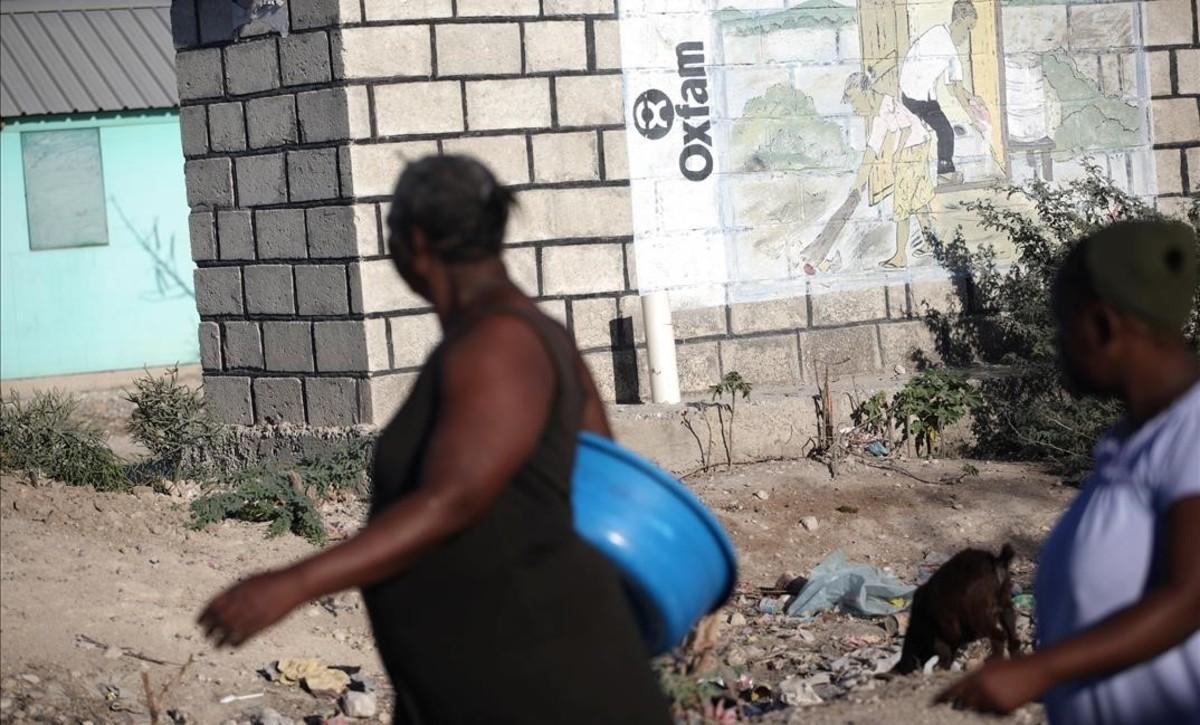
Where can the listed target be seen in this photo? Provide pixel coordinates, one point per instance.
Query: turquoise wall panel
(123, 305)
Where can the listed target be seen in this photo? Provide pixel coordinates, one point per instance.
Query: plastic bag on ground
(855, 588)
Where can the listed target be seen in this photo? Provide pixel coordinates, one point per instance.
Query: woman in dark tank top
(485, 604)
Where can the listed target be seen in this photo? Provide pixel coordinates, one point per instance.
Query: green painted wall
(124, 305)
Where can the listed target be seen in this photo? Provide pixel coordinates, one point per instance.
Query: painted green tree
(782, 131)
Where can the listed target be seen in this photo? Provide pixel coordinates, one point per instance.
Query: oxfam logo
(653, 114)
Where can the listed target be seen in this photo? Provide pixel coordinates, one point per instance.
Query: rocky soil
(98, 591)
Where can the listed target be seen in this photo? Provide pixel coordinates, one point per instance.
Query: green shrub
(1025, 411)
(169, 419)
(260, 495)
(343, 470)
(283, 496)
(46, 436)
(929, 403)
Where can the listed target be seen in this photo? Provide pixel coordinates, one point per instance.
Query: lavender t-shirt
(1106, 552)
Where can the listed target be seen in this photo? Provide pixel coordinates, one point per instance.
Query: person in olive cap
(1118, 581)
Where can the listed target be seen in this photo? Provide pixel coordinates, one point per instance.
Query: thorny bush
(169, 419)
(1026, 411)
(46, 436)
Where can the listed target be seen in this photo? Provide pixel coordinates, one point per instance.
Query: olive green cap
(1146, 269)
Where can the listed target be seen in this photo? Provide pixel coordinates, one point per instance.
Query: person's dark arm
(494, 403)
(1162, 619)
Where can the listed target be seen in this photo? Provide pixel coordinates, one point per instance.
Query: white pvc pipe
(660, 346)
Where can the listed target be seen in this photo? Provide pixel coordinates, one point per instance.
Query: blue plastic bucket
(676, 561)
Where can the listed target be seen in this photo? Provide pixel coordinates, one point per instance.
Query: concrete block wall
(279, 241)
(293, 144)
(1171, 37)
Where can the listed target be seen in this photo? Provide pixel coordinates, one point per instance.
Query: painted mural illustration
(781, 148)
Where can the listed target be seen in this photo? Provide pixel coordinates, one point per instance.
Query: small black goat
(967, 598)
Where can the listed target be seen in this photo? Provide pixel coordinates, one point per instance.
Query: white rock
(810, 523)
(269, 716)
(762, 495)
(796, 691)
(737, 619)
(886, 664)
(359, 704)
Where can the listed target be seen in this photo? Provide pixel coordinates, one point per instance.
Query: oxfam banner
(779, 148)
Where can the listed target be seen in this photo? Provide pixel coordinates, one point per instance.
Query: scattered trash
(861, 589)
(847, 509)
(737, 619)
(810, 523)
(314, 675)
(239, 698)
(772, 605)
(1023, 602)
(877, 448)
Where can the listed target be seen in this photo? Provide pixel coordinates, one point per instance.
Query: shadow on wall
(167, 281)
(625, 362)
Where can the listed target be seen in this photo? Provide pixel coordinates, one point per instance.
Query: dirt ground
(97, 587)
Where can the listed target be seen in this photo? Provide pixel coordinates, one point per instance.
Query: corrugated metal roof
(83, 56)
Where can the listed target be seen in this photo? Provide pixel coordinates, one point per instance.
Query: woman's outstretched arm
(495, 394)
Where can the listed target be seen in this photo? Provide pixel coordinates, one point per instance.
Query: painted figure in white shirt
(934, 56)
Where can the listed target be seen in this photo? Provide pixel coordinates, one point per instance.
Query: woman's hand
(1164, 618)
(248, 608)
(999, 687)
